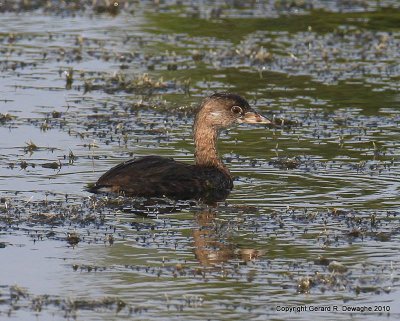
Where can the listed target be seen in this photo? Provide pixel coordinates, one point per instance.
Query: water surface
(313, 218)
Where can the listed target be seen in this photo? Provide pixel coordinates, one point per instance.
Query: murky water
(313, 219)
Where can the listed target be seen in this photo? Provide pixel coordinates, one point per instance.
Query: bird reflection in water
(212, 244)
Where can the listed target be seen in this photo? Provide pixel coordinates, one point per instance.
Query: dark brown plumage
(208, 180)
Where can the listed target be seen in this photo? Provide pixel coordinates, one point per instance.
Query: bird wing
(156, 176)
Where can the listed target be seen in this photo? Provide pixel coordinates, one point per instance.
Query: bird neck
(205, 140)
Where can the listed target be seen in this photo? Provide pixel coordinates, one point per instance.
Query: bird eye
(236, 110)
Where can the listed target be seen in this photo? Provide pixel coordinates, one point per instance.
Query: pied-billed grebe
(208, 180)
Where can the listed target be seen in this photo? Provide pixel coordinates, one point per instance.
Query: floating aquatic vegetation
(69, 78)
(4, 118)
(53, 165)
(73, 238)
(67, 7)
(140, 85)
(20, 298)
(30, 147)
(286, 163)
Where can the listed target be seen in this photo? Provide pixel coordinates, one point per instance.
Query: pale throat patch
(216, 114)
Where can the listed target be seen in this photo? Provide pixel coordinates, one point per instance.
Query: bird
(207, 180)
